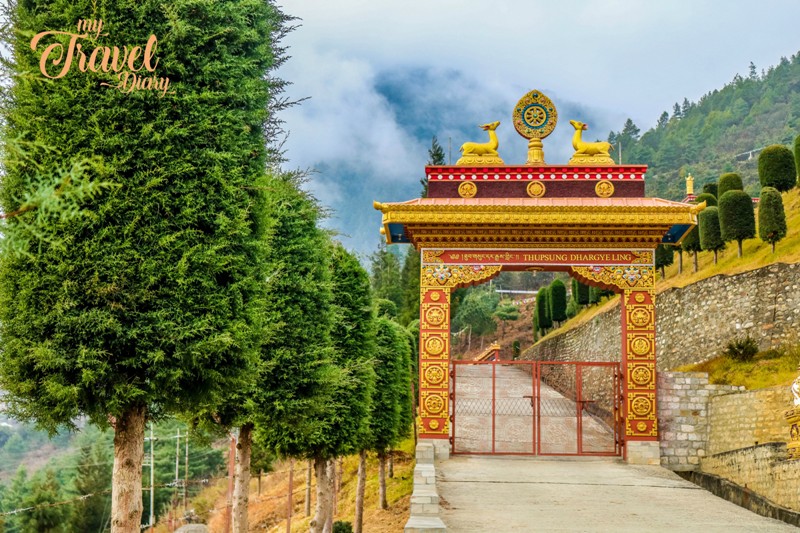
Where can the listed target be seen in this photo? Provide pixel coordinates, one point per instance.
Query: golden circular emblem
(640, 345)
(640, 317)
(641, 426)
(434, 375)
(639, 297)
(434, 404)
(467, 189)
(434, 346)
(435, 296)
(433, 424)
(641, 375)
(536, 189)
(604, 189)
(535, 116)
(641, 406)
(434, 316)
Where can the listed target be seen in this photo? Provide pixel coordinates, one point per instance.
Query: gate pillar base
(440, 450)
(643, 452)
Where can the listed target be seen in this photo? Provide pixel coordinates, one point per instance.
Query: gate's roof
(538, 222)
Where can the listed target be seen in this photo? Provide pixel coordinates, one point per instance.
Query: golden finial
(535, 118)
(689, 184)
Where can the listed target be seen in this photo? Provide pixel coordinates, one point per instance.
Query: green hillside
(705, 137)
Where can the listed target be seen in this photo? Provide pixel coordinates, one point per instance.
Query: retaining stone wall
(748, 418)
(695, 323)
(684, 416)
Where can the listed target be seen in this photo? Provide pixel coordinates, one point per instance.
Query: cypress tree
(149, 305)
(580, 292)
(729, 182)
(771, 217)
(709, 199)
(385, 276)
(665, 256)
(346, 422)
(409, 277)
(710, 235)
(691, 244)
(557, 300)
(737, 219)
(776, 168)
(543, 310)
(797, 158)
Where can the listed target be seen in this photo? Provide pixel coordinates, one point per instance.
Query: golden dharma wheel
(535, 116)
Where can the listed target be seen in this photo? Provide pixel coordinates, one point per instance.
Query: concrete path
(501, 494)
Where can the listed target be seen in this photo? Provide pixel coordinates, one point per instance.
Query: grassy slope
(767, 369)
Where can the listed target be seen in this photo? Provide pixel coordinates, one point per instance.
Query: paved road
(502, 494)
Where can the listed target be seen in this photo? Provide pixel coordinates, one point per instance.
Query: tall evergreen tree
(557, 301)
(543, 310)
(710, 234)
(44, 518)
(346, 423)
(691, 244)
(580, 292)
(149, 305)
(730, 181)
(797, 158)
(712, 189)
(435, 157)
(665, 256)
(385, 275)
(409, 278)
(92, 477)
(771, 217)
(776, 168)
(737, 219)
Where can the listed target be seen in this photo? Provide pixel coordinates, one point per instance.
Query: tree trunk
(333, 475)
(382, 503)
(740, 248)
(773, 247)
(358, 522)
(126, 488)
(324, 474)
(241, 491)
(309, 473)
(680, 261)
(715, 257)
(663, 274)
(391, 464)
(694, 260)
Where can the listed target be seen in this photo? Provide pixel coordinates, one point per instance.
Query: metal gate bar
(510, 409)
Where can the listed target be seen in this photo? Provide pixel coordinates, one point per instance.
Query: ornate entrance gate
(536, 408)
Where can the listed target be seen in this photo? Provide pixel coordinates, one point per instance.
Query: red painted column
(639, 363)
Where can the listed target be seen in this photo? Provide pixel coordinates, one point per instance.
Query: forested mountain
(716, 134)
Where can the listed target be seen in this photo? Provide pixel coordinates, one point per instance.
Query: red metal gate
(536, 408)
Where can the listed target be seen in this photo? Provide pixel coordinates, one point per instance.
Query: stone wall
(763, 469)
(695, 323)
(683, 417)
(748, 418)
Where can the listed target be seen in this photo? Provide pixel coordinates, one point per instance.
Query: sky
(381, 78)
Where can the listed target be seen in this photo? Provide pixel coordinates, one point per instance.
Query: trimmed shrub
(665, 256)
(710, 188)
(710, 234)
(776, 168)
(691, 245)
(386, 307)
(729, 182)
(737, 220)
(797, 157)
(544, 322)
(709, 199)
(557, 298)
(742, 349)
(580, 292)
(771, 217)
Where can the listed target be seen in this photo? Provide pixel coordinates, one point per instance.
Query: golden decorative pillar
(636, 283)
(436, 284)
(689, 185)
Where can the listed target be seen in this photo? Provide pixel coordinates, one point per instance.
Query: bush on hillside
(340, 526)
(776, 168)
(729, 182)
(710, 235)
(797, 157)
(557, 298)
(742, 349)
(710, 188)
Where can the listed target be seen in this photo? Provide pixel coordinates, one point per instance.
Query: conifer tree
(580, 292)
(730, 181)
(776, 168)
(385, 275)
(711, 188)
(710, 235)
(148, 306)
(93, 477)
(543, 310)
(665, 256)
(44, 518)
(708, 198)
(409, 309)
(771, 217)
(691, 244)
(557, 301)
(435, 157)
(797, 158)
(737, 219)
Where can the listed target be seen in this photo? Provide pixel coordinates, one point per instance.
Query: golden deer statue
(594, 153)
(482, 153)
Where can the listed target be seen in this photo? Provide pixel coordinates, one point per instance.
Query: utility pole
(186, 473)
(152, 481)
(231, 468)
(174, 503)
(289, 507)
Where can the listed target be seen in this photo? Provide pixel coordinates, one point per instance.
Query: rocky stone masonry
(684, 407)
(695, 323)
